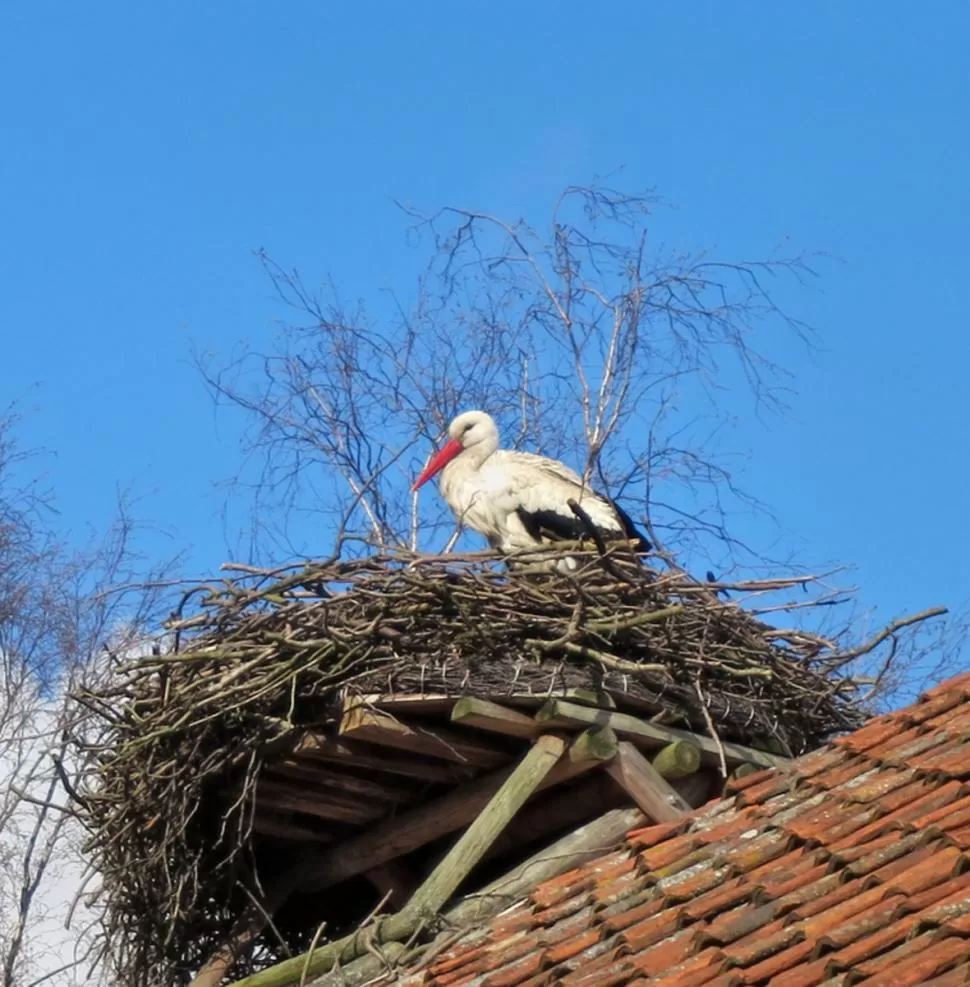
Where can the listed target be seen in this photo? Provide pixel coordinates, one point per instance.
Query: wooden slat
(422, 824)
(463, 857)
(362, 723)
(645, 785)
(321, 779)
(484, 715)
(282, 826)
(558, 713)
(364, 758)
(322, 804)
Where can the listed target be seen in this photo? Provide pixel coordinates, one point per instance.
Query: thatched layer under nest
(264, 656)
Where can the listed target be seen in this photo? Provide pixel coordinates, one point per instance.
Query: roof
(853, 867)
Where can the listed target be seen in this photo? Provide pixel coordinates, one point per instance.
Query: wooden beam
(420, 825)
(595, 744)
(322, 804)
(321, 779)
(282, 826)
(700, 787)
(645, 785)
(484, 715)
(362, 723)
(362, 757)
(678, 759)
(557, 713)
(472, 845)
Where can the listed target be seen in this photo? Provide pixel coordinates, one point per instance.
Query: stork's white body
(515, 499)
(491, 498)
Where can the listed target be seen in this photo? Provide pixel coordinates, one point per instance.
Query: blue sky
(148, 149)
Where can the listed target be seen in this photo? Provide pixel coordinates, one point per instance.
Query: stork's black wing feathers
(551, 525)
(630, 529)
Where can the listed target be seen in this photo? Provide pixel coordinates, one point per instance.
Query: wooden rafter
(645, 785)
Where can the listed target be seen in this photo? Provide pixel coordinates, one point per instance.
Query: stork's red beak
(439, 461)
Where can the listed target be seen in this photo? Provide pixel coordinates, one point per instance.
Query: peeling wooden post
(475, 841)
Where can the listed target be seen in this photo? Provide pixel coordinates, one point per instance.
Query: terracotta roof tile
(851, 867)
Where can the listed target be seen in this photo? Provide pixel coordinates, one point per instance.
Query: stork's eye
(468, 428)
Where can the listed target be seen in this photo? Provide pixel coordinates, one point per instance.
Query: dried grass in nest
(265, 654)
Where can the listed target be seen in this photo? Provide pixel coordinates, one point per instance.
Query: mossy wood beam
(363, 723)
(481, 834)
(678, 759)
(556, 713)
(645, 785)
(484, 715)
(422, 824)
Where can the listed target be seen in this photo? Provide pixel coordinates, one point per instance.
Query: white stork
(517, 500)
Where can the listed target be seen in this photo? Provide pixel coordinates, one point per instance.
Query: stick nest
(262, 656)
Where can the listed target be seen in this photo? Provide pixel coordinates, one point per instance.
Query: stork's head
(472, 431)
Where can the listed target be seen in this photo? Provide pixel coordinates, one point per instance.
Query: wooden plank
(594, 744)
(282, 826)
(472, 845)
(558, 713)
(422, 824)
(645, 785)
(677, 760)
(327, 805)
(485, 715)
(362, 757)
(361, 723)
(320, 779)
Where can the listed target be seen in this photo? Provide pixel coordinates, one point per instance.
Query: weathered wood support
(350, 755)
(363, 723)
(556, 713)
(595, 744)
(475, 841)
(677, 760)
(645, 785)
(484, 715)
(421, 825)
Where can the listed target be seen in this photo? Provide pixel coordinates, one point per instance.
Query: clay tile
(756, 852)
(960, 925)
(885, 781)
(956, 722)
(786, 883)
(961, 837)
(563, 909)
(862, 949)
(650, 836)
(842, 909)
(791, 956)
(880, 853)
(566, 928)
(803, 896)
(954, 978)
(618, 889)
(663, 955)
(608, 975)
(653, 929)
(915, 961)
(669, 852)
(842, 773)
(943, 865)
(933, 705)
(738, 924)
(516, 971)
(698, 969)
(846, 855)
(959, 683)
(954, 905)
(719, 898)
(804, 975)
(571, 947)
(781, 868)
(734, 826)
(864, 923)
(616, 920)
(905, 795)
(517, 921)
(877, 730)
(953, 762)
(909, 861)
(809, 765)
(902, 744)
(761, 943)
(772, 783)
(608, 868)
(938, 893)
(817, 824)
(560, 888)
(456, 960)
(735, 785)
(696, 881)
